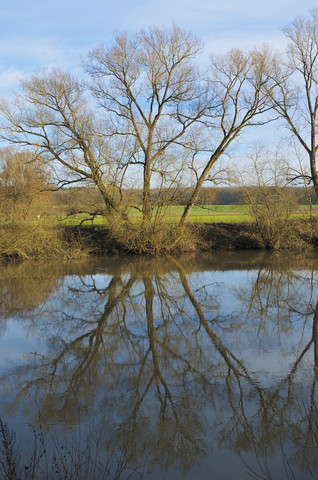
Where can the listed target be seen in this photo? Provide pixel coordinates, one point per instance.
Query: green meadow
(199, 214)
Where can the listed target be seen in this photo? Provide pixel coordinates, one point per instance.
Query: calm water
(192, 367)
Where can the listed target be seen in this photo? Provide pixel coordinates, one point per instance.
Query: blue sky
(35, 33)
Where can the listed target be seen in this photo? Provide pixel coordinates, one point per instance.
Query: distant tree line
(85, 199)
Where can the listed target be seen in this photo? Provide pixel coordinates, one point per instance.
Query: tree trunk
(313, 170)
(312, 155)
(111, 206)
(191, 202)
(200, 181)
(146, 207)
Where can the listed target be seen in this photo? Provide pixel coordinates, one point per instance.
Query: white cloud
(29, 51)
(36, 34)
(24, 55)
(9, 80)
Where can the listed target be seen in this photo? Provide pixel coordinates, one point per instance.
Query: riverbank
(293, 235)
(28, 241)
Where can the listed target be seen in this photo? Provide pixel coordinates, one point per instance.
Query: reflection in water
(177, 360)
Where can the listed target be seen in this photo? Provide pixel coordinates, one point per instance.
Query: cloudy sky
(38, 33)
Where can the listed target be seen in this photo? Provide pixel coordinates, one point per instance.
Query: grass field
(211, 213)
(199, 214)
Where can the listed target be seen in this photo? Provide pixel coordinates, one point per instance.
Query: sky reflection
(184, 361)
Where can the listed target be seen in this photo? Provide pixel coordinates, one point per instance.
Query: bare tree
(149, 87)
(52, 117)
(240, 82)
(295, 96)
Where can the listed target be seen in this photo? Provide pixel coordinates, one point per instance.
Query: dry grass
(27, 240)
(39, 241)
(275, 232)
(154, 238)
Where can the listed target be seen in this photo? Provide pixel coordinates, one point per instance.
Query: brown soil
(227, 236)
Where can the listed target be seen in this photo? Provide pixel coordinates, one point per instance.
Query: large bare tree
(151, 90)
(52, 116)
(240, 82)
(295, 97)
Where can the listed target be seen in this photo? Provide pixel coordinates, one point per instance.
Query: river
(199, 366)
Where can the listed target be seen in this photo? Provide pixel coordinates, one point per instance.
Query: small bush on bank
(27, 240)
(154, 238)
(294, 234)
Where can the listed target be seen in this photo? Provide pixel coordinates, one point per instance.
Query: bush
(279, 233)
(154, 238)
(25, 241)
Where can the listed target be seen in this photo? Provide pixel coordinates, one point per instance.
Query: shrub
(149, 238)
(26, 240)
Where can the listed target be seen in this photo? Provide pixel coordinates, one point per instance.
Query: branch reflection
(178, 361)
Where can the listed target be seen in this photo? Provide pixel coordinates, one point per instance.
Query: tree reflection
(291, 403)
(153, 349)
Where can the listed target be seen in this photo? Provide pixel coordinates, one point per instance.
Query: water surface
(192, 367)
